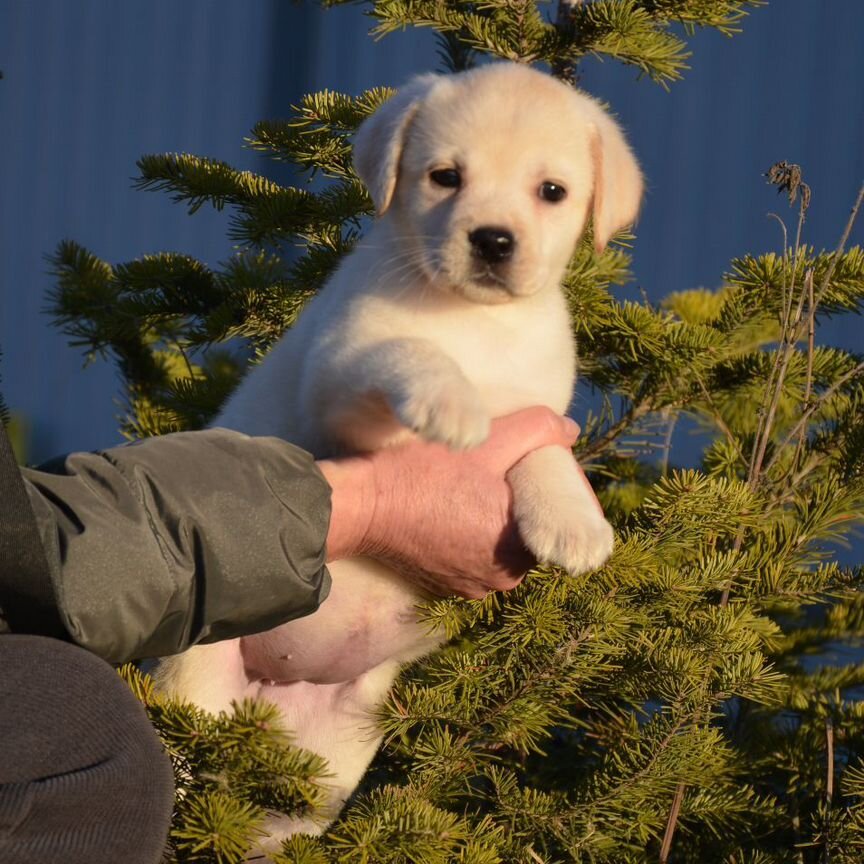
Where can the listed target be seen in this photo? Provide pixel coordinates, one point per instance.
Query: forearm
(441, 518)
(211, 535)
(353, 498)
(192, 537)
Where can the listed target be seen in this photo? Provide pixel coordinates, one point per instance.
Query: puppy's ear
(618, 181)
(380, 138)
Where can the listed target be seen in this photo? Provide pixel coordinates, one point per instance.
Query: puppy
(447, 314)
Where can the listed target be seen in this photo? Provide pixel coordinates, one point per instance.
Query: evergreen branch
(681, 788)
(792, 328)
(564, 68)
(198, 181)
(623, 30)
(650, 766)
(317, 219)
(717, 417)
(600, 445)
(811, 350)
(483, 28)
(789, 178)
(454, 53)
(724, 16)
(324, 111)
(317, 137)
(756, 283)
(215, 823)
(841, 247)
(777, 380)
(801, 425)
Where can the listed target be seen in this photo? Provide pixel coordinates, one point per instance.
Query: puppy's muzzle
(492, 245)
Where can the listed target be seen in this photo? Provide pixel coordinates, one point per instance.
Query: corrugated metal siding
(91, 85)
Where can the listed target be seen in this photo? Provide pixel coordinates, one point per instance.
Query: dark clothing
(192, 537)
(83, 779)
(150, 548)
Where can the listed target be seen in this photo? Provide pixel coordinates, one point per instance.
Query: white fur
(413, 336)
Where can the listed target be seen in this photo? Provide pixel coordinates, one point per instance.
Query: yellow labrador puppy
(447, 314)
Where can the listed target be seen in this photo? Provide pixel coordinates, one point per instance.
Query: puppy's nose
(492, 244)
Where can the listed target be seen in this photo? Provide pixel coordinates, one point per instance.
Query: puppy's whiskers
(404, 257)
(407, 270)
(392, 267)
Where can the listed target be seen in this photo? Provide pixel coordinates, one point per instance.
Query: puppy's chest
(513, 362)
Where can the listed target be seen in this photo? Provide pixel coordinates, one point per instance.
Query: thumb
(514, 436)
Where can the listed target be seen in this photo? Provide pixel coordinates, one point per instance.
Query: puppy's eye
(449, 178)
(552, 192)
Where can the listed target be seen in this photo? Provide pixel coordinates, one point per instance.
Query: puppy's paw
(558, 516)
(446, 409)
(571, 538)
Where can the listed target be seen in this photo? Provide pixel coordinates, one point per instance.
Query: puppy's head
(488, 178)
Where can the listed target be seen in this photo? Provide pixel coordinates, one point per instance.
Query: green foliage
(688, 702)
(160, 316)
(636, 32)
(231, 770)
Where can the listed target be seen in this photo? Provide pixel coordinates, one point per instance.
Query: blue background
(91, 85)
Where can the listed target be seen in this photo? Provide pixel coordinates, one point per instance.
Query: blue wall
(790, 86)
(90, 85)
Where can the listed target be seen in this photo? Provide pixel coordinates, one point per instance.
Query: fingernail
(572, 427)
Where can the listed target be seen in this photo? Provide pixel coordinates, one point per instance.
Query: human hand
(442, 518)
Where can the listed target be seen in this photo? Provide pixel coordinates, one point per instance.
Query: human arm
(444, 518)
(208, 535)
(190, 537)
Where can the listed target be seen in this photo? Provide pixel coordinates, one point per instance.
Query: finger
(516, 435)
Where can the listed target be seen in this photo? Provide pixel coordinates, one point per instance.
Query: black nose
(492, 244)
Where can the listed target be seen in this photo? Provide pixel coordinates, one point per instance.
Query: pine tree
(669, 707)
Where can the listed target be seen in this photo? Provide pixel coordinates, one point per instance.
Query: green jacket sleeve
(191, 537)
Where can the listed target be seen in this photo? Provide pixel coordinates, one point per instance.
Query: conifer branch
(841, 246)
(669, 833)
(789, 178)
(801, 425)
(717, 417)
(811, 350)
(600, 445)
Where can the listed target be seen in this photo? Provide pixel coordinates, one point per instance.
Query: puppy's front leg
(558, 516)
(425, 390)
